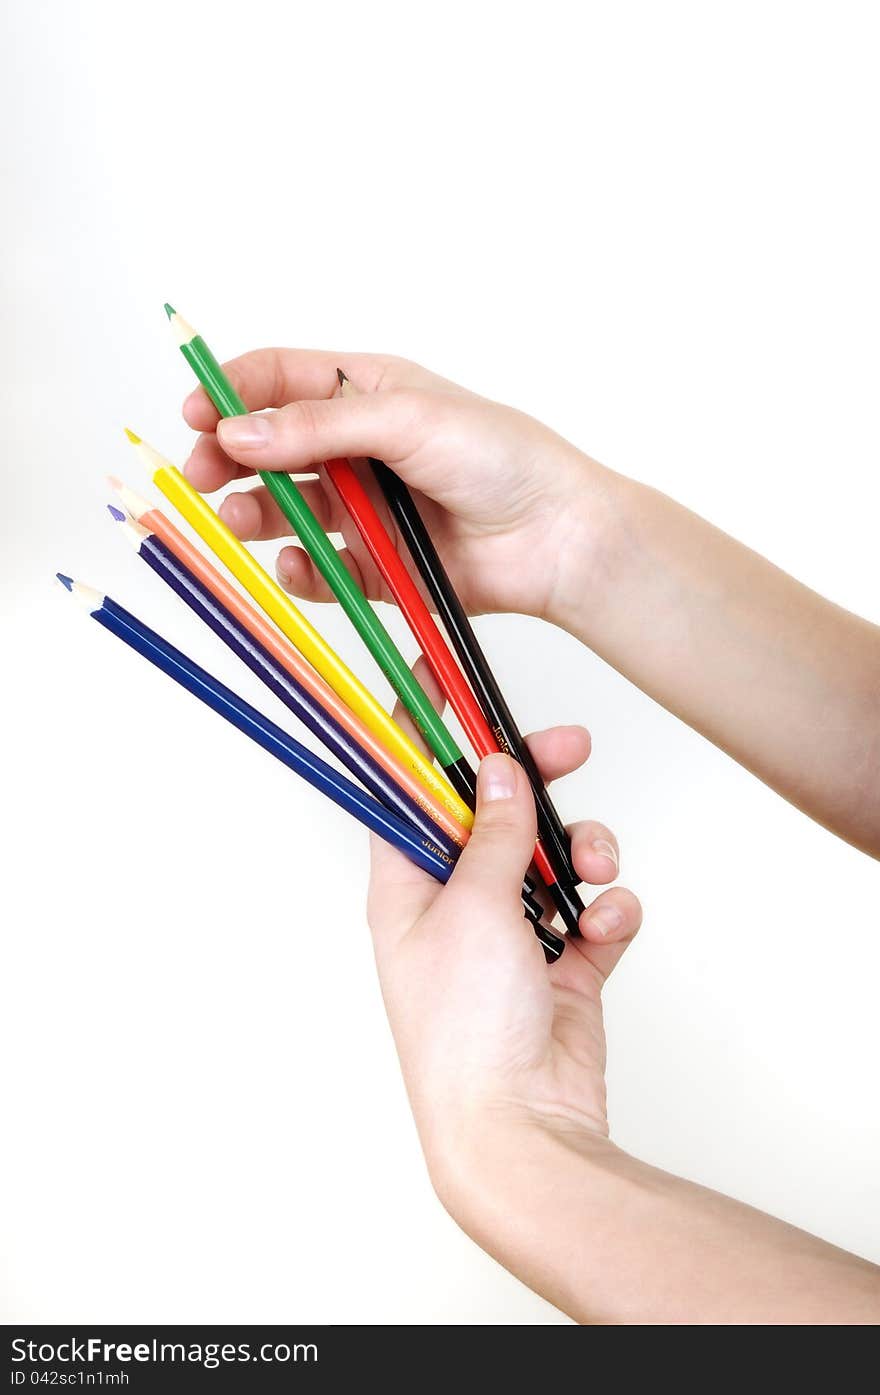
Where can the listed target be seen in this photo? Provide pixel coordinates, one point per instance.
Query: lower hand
(489, 1037)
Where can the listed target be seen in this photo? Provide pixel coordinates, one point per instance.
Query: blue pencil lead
(116, 513)
(66, 581)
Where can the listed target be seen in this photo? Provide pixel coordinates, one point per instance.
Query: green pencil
(325, 557)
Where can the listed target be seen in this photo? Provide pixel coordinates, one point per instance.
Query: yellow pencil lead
(135, 440)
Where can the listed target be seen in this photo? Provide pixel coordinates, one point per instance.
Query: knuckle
(303, 417)
(499, 826)
(395, 371)
(417, 416)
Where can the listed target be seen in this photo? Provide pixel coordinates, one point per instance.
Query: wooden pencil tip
(343, 377)
(135, 440)
(134, 505)
(183, 333)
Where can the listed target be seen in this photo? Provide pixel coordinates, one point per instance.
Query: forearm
(780, 678)
(610, 1240)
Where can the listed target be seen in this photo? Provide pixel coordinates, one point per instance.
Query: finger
(254, 516)
(391, 425)
(434, 693)
(607, 926)
(559, 750)
(491, 867)
(274, 377)
(209, 468)
(594, 852)
(298, 575)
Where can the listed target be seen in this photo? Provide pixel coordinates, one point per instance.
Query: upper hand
(497, 490)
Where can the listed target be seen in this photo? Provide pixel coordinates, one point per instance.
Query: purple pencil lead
(66, 581)
(116, 513)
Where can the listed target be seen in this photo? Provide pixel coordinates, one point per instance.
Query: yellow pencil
(291, 621)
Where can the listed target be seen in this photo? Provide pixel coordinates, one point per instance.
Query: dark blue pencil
(316, 772)
(215, 614)
(258, 659)
(261, 729)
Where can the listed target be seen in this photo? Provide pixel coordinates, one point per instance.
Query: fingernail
(605, 919)
(497, 778)
(606, 849)
(245, 433)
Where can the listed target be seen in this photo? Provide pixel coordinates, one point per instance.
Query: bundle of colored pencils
(396, 789)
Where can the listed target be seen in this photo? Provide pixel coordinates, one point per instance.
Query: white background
(654, 226)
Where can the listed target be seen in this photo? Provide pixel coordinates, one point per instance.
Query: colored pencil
(275, 740)
(283, 653)
(266, 635)
(473, 660)
(449, 676)
(297, 699)
(552, 851)
(550, 827)
(323, 553)
(291, 621)
(405, 592)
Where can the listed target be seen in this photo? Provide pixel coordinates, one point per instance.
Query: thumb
(391, 425)
(502, 841)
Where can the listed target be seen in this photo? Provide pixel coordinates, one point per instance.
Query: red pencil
(431, 642)
(417, 615)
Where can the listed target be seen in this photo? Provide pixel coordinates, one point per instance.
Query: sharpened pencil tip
(114, 482)
(116, 513)
(135, 440)
(169, 310)
(343, 377)
(66, 581)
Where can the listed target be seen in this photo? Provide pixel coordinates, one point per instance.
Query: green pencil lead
(169, 310)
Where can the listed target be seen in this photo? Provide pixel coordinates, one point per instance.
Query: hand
(499, 492)
(488, 1036)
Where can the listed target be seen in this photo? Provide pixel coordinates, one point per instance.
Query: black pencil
(467, 647)
(482, 680)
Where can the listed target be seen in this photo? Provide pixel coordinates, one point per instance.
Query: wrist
(588, 543)
(505, 1157)
(514, 1184)
(610, 1240)
(507, 1142)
